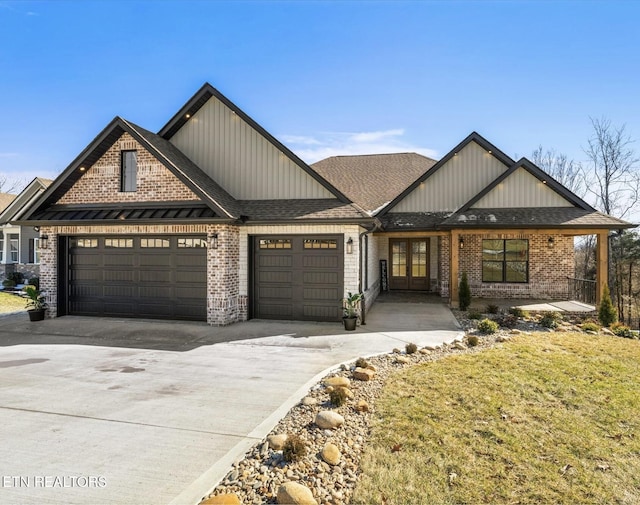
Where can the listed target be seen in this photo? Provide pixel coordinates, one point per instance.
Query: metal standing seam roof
(373, 180)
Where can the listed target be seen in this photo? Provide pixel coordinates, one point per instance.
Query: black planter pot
(36, 314)
(349, 323)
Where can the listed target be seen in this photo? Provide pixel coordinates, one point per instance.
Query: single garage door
(160, 277)
(298, 277)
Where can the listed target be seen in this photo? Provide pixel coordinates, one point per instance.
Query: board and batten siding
(240, 159)
(455, 183)
(521, 189)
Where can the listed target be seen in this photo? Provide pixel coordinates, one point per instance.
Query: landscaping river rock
(334, 436)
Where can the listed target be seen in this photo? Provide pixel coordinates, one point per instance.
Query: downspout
(377, 226)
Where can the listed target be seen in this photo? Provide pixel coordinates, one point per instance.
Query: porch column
(602, 263)
(453, 268)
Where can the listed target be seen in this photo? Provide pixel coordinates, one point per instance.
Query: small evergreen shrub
(518, 312)
(607, 314)
(507, 320)
(550, 319)
(464, 292)
(411, 348)
(472, 340)
(294, 448)
(590, 326)
(622, 330)
(35, 281)
(17, 277)
(492, 309)
(474, 314)
(487, 326)
(9, 283)
(362, 363)
(338, 396)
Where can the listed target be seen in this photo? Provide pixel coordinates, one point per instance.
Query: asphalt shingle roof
(373, 180)
(285, 210)
(556, 217)
(5, 200)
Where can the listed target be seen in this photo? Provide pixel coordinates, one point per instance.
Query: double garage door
(160, 277)
(165, 277)
(298, 277)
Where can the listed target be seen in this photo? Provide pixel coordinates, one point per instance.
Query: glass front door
(409, 259)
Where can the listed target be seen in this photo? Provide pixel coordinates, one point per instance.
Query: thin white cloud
(300, 140)
(9, 155)
(376, 136)
(327, 144)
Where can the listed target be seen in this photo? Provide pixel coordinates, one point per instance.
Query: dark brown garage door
(160, 277)
(298, 277)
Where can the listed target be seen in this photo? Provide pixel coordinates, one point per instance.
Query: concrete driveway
(107, 411)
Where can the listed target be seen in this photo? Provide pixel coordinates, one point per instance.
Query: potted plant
(351, 310)
(36, 303)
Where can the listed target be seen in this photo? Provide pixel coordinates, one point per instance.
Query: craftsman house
(212, 218)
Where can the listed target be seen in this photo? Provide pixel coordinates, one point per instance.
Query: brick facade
(549, 267)
(101, 182)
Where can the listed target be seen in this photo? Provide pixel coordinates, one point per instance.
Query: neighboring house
(214, 219)
(19, 248)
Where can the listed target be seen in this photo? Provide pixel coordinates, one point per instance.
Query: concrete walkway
(104, 411)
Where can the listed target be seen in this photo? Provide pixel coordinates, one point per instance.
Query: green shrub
(622, 330)
(507, 320)
(492, 309)
(487, 326)
(518, 312)
(590, 326)
(472, 340)
(411, 348)
(362, 363)
(464, 292)
(9, 283)
(607, 314)
(294, 448)
(17, 277)
(35, 281)
(474, 314)
(338, 396)
(550, 319)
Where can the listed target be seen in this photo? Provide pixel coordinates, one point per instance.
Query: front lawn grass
(11, 303)
(544, 418)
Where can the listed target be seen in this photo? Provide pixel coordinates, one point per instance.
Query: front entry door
(409, 264)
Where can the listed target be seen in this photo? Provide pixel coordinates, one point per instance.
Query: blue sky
(324, 77)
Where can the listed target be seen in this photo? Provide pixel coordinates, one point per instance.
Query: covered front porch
(536, 265)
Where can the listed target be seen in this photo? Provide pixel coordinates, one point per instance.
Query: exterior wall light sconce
(461, 243)
(350, 246)
(44, 241)
(551, 242)
(213, 241)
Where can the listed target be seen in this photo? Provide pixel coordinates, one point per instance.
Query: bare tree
(567, 172)
(612, 176)
(10, 185)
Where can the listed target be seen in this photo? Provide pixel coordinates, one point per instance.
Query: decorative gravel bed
(328, 472)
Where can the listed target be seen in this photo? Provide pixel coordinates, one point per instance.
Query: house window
(84, 243)
(505, 260)
(322, 243)
(34, 250)
(14, 248)
(155, 243)
(129, 171)
(189, 242)
(275, 243)
(118, 243)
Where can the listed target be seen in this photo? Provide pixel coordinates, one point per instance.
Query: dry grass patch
(11, 303)
(547, 418)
